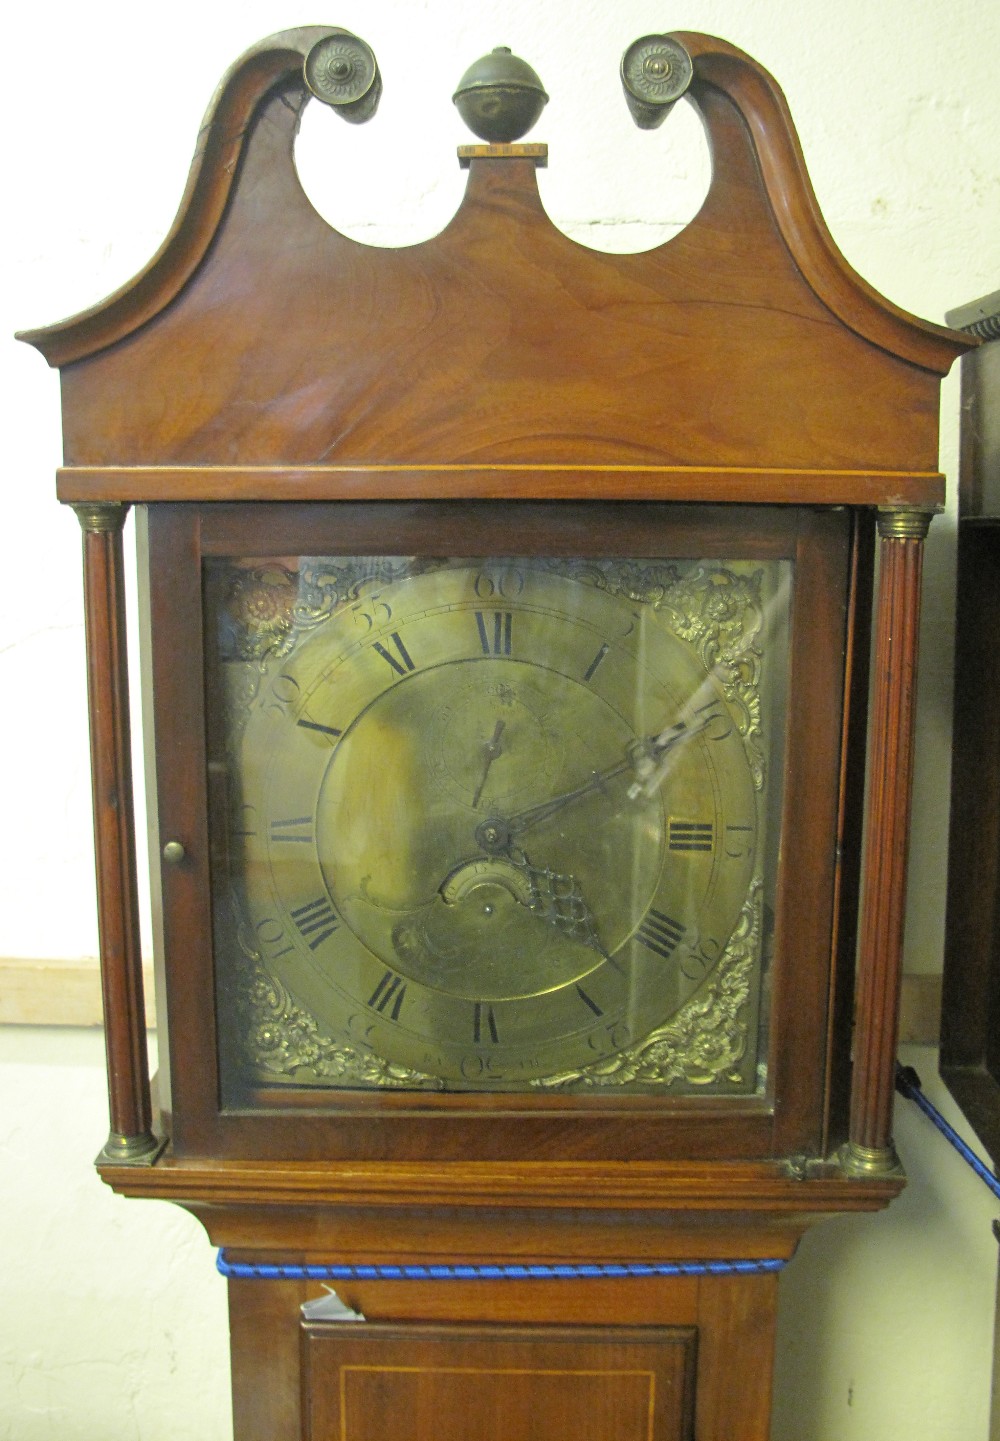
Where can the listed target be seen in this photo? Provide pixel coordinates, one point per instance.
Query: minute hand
(524, 820)
(642, 755)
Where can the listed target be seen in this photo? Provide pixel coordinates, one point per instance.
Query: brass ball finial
(500, 97)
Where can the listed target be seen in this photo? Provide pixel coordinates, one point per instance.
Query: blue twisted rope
(259, 1271)
(908, 1085)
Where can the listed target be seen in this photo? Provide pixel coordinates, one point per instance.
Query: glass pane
(495, 823)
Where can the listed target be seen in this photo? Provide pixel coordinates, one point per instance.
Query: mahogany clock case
(267, 387)
(796, 1111)
(268, 390)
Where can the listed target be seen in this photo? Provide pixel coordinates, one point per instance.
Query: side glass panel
(504, 824)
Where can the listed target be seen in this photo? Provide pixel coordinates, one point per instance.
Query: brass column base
(141, 1150)
(870, 1161)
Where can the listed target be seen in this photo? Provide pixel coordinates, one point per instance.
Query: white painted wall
(112, 1321)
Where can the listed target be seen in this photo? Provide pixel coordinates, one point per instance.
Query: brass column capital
(904, 524)
(101, 516)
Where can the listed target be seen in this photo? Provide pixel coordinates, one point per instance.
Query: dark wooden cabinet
(970, 1016)
(500, 519)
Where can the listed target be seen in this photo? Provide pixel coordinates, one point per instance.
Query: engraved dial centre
(401, 830)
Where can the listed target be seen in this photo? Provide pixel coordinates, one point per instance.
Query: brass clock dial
(500, 823)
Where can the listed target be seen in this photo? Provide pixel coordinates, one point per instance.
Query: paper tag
(329, 1308)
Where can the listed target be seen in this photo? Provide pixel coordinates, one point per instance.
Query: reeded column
(870, 1150)
(131, 1139)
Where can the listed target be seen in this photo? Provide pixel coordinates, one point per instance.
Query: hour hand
(491, 750)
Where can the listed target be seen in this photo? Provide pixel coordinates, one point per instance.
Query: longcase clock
(507, 613)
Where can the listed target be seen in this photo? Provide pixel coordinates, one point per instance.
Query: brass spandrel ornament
(283, 1042)
(497, 823)
(705, 1044)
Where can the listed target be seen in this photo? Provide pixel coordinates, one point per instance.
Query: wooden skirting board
(57, 993)
(68, 993)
